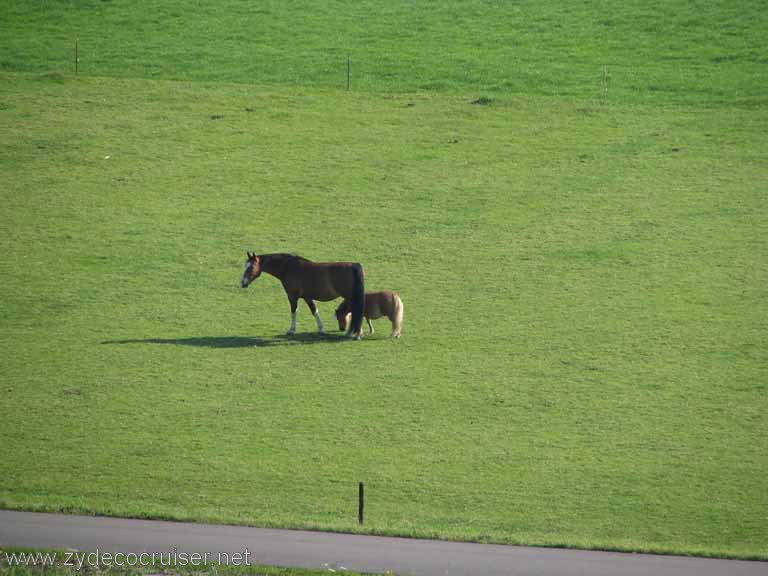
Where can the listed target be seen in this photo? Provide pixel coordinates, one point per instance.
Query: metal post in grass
(360, 503)
(349, 72)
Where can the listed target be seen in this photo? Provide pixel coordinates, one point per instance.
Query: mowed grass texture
(583, 360)
(634, 51)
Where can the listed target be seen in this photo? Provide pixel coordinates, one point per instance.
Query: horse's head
(252, 270)
(343, 314)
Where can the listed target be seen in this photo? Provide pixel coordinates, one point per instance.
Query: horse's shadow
(239, 341)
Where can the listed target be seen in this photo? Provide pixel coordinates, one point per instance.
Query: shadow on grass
(239, 341)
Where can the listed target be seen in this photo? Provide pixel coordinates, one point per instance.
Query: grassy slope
(678, 51)
(583, 361)
(584, 355)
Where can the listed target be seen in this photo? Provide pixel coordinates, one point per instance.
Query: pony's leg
(313, 309)
(397, 317)
(294, 300)
(370, 326)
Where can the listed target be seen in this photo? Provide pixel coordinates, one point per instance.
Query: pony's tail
(358, 299)
(397, 325)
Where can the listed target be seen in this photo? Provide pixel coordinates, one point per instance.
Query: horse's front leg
(313, 309)
(370, 326)
(294, 301)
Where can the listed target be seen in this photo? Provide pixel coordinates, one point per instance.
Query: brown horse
(311, 281)
(377, 304)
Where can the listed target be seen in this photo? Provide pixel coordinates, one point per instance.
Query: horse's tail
(397, 324)
(358, 299)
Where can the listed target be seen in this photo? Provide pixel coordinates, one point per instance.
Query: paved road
(337, 551)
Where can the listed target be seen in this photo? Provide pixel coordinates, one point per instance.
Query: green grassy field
(668, 51)
(583, 361)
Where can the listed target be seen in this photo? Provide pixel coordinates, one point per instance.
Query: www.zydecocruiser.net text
(78, 560)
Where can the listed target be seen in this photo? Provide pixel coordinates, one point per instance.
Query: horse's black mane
(279, 261)
(282, 256)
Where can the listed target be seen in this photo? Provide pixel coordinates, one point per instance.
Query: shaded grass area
(631, 51)
(583, 360)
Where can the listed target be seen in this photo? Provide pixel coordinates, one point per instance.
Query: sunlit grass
(583, 360)
(629, 52)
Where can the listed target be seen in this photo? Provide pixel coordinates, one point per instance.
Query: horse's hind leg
(294, 301)
(370, 326)
(313, 309)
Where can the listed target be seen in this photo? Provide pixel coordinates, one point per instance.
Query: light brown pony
(377, 304)
(311, 281)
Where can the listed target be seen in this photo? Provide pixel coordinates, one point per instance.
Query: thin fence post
(360, 503)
